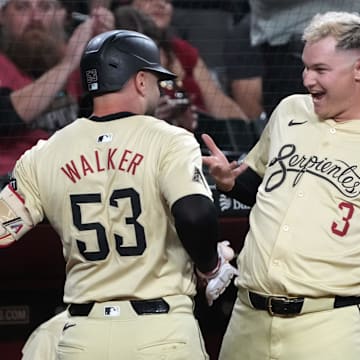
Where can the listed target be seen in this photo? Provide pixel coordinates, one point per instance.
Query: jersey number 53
(102, 253)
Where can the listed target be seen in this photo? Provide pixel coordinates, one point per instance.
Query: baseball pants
(322, 335)
(116, 330)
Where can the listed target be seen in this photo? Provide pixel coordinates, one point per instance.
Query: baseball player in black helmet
(135, 215)
(111, 58)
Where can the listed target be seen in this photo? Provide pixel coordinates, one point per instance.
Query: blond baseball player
(126, 193)
(299, 282)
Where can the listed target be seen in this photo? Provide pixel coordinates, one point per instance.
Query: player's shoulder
(293, 110)
(296, 100)
(60, 139)
(296, 105)
(166, 135)
(72, 132)
(161, 126)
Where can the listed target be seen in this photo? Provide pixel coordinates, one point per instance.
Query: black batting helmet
(112, 58)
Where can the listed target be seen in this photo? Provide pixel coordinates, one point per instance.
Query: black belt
(283, 306)
(141, 307)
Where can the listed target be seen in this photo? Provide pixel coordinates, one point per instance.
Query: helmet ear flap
(112, 58)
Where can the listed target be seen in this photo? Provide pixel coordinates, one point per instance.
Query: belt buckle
(269, 305)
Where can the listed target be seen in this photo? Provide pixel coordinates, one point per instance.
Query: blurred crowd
(235, 60)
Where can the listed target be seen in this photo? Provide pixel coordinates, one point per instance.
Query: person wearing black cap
(133, 210)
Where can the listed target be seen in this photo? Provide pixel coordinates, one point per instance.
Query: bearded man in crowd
(40, 86)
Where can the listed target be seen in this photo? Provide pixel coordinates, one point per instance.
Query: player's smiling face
(331, 77)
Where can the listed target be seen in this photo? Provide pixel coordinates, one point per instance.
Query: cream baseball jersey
(107, 188)
(304, 237)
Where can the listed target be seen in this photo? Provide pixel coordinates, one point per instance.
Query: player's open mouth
(317, 96)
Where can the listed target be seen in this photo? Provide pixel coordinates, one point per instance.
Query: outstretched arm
(237, 181)
(223, 172)
(197, 226)
(15, 220)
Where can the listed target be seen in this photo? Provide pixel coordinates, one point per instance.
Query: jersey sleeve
(26, 184)
(181, 171)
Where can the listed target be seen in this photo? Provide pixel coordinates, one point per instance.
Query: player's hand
(219, 279)
(223, 172)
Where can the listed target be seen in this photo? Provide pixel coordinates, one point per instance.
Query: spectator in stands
(263, 52)
(244, 77)
(205, 24)
(174, 105)
(39, 82)
(184, 60)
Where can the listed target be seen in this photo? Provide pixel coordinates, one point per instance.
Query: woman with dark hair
(184, 60)
(174, 106)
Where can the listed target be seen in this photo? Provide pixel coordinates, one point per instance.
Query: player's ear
(140, 82)
(357, 70)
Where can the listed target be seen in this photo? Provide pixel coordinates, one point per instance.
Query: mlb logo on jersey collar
(104, 138)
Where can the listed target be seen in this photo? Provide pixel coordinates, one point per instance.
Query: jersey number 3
(102, 253)
(341, 228)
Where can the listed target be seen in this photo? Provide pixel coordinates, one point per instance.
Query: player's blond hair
(343, 26)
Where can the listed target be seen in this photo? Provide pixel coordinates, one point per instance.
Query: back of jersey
(107, 188)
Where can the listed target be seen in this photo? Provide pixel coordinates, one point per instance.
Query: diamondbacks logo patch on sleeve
(13, 183)
(198, 176)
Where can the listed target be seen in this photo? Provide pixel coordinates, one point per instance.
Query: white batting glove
(219, 279)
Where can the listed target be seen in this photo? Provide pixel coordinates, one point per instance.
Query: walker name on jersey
(96, 162)
(340, 174)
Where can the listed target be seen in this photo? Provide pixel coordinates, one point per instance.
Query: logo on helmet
(92, 79)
